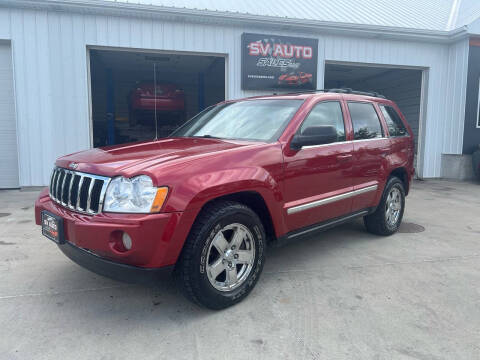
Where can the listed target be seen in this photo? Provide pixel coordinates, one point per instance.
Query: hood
(131, 159)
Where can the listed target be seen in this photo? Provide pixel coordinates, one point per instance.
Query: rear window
(365, 121)
(394, 122)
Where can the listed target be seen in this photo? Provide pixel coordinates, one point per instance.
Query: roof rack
(339, 90)
(356, 92)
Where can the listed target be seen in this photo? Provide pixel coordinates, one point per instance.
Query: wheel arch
(255, 201)
(402, 174)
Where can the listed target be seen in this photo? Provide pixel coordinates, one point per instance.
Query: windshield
(262, 120)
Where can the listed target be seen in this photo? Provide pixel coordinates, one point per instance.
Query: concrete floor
(345, 294)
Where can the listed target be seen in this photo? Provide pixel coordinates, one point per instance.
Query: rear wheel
(388, 216)
(223, 256)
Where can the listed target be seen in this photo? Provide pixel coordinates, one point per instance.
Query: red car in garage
(166, 98)
(295, 78)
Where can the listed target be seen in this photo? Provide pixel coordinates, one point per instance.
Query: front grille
(78, 191)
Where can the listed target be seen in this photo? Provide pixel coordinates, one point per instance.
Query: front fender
(197, 190)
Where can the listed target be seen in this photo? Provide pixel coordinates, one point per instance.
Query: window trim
(478, 106)
(384, 135)
(339, 101)
(389, 135)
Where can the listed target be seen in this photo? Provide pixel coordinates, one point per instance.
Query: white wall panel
(5, 24)
(456, 94)
(50, 70)
(8, 127)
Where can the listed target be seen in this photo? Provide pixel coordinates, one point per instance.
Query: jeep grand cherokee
(205, 201)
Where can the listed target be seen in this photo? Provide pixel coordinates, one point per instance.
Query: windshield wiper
(208, 136)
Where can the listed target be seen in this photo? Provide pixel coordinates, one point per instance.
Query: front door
(318, 177)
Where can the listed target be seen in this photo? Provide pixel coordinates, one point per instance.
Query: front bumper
(114, 270)
(157, 239)
(161, 104)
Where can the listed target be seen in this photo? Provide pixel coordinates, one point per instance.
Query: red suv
(206, 201)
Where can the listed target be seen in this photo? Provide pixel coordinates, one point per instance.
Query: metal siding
(8, 130)
(468, 11)
(399, 13)
(16, 21)
(42, 92)
(49, 50)
(455, 102)
(5, 24)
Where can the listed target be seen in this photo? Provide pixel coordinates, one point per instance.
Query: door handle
(345, 157)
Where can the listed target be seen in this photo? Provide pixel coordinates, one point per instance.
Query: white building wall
(50, 72)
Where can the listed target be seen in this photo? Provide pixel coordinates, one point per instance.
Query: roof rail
(356, 92)
(302, 91)
(339, 90)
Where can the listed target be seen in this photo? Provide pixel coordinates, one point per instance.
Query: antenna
(155, 98)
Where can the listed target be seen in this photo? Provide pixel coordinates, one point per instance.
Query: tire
(205, 275)
(379, 222)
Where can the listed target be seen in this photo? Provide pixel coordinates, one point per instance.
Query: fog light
(127, 241)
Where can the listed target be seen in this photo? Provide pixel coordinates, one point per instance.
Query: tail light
(162, 91)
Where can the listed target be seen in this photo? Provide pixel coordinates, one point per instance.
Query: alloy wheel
(393, 206)
(230, 257)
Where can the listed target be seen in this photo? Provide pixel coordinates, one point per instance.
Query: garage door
(138, 96)
(8, 136)
(403, 86)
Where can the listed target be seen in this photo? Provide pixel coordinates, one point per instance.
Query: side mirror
(314, 135)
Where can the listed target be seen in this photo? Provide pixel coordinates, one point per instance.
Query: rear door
(317, 176)
(371, 148)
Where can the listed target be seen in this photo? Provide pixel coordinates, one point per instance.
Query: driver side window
(327, 113)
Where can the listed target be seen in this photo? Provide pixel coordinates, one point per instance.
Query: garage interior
(125, 104)
(403, 86)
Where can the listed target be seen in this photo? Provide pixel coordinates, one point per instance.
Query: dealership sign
(278, 62)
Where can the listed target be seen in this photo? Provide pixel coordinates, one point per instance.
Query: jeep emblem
(73, 165)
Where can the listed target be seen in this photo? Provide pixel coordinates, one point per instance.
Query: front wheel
(388, 216)
(223, 256)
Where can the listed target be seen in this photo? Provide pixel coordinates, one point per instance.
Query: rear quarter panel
(402, 151)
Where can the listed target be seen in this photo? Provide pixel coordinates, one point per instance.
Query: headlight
(135, 195)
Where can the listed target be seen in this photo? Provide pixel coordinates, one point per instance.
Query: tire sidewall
(393, 183)
(199, 273)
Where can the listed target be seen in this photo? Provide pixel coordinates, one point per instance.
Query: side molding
(313, 204)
